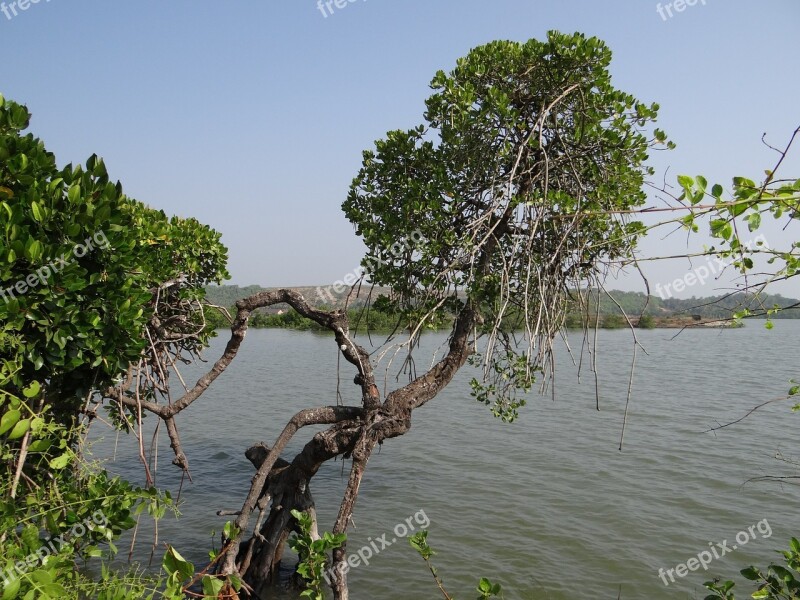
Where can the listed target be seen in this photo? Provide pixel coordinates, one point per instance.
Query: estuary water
(547, 506)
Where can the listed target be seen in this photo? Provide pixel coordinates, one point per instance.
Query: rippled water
(548, 506)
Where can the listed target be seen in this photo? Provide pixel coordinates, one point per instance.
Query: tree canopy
(95, 285)
(79, 262)
(519, 182)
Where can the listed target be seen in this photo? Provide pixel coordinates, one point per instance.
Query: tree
(519, 183)
(79, 263)
(96, 288)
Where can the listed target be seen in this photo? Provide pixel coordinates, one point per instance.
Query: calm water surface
(547, 506)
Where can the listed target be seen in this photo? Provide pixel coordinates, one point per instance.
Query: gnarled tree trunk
(280, 486)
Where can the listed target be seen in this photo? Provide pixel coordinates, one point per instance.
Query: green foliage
(290, 319)
(215, 319)
(363, 320)
(227, 295)
(380, 320)
(78, 264)
(512, 371)
(750, 202)
(313, 554)
(721, 306)
(484, 112)
(419, 541)
(181, 576)
(81, 265)
(612, 322)
(520, 143)
(647, 322)
(180, 573)
(487, 589)
(62, 510)
(574, 321)
(777, 582)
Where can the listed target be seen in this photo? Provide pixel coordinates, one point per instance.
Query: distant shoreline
(622, 311)
(712, 308)
(664, 324)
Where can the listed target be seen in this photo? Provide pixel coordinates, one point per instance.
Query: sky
(252, 116)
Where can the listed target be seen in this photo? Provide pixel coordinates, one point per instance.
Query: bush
(613, 322)
(647, 322)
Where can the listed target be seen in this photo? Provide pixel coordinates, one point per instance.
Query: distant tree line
(646, 312)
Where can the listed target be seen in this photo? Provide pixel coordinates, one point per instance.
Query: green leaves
(78, 262)
(9, 420)
(11, 590)
(487, 589)
(694, 188)
(61, 462)
(230, 531)
(503, 133)
(178, 569)
(721, 228)
(312, 554)
(419, 541)
(32, 391)
(720, 589)
(37, 212)
(748, 205)
(20, 428)
(82, 259)
(212, 586)
(33, 250)
(74, 194)
(753, 221)
(776, 583)
(79, 512)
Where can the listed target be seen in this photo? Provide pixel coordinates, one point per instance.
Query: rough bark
(353, 438)
(279, 486)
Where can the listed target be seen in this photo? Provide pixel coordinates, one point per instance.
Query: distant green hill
(227, 295)
(633, 303)
(712, 307)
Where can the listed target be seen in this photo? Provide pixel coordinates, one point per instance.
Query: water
(547, 506)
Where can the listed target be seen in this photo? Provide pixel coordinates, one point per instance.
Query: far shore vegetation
(621, 310)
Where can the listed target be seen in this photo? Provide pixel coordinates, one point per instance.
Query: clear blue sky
(251, 116)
